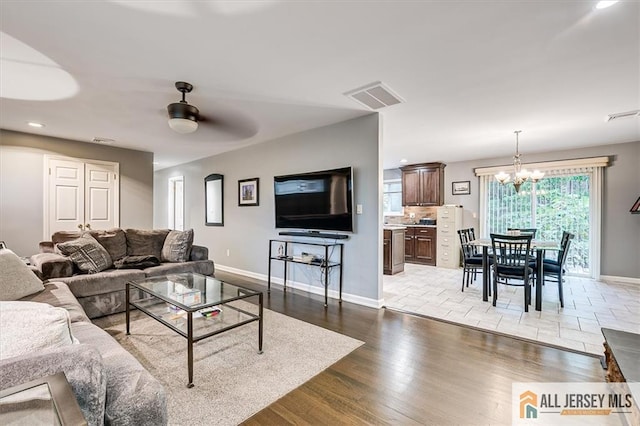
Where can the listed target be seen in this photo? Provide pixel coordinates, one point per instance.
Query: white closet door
(66, 195)
(100, 196)
(81, 194)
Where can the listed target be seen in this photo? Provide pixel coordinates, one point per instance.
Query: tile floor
(588, 306)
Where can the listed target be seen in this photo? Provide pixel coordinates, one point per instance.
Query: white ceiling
(471, 72)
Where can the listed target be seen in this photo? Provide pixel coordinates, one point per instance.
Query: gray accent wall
(22, 183)
(620, 229)
(247, 230)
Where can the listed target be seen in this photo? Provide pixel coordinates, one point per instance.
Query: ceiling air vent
(374, 96)
(617, 115)
(104, 141)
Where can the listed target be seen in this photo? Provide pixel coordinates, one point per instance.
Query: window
(392, 197)
(176, 203)
(568, 198)
(552, 205)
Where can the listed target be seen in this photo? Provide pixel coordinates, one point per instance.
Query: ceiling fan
(229, 123)
(183, 118)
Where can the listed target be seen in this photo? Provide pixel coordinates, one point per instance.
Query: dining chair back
(554, 268)
(471, 260)
(511, 265)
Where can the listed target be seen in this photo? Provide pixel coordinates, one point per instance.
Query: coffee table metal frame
(64, 403)
(242, 293)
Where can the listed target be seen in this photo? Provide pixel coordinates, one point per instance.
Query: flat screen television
(320, 200)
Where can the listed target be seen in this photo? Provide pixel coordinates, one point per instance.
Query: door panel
(100, 193)
(66, 195)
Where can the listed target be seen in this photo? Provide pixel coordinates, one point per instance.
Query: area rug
(232, 381)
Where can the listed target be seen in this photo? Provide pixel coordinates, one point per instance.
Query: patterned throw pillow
(177, 246)
(87, 253)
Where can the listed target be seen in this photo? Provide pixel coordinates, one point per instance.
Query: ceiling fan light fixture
(182, 125)
(183, 118)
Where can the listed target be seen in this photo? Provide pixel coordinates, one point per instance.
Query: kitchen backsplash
(418, 213)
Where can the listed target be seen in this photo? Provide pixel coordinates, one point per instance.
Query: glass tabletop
(191, 291)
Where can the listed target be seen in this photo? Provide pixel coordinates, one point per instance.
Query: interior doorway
(176, 203)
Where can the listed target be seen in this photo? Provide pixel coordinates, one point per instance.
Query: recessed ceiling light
(404, 160)
(155, 163)
(605, 4)
(34, 124)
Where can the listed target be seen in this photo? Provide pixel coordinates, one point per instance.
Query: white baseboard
(628, 280)
(333, 294)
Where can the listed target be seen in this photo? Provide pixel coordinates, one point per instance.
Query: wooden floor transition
(411, 370)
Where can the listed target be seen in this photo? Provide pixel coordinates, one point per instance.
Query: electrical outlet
(227, 252)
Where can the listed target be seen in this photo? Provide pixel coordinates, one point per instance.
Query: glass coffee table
(194, 306)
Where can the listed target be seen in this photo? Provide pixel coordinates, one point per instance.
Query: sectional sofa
(131, 252)
(46, 327)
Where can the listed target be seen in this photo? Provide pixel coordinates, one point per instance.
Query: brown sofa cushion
(177, 246)
(63, 237)
(142, 242)
(114, 241)
(87, 254)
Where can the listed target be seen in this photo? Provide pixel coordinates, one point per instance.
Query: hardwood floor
(411, 370)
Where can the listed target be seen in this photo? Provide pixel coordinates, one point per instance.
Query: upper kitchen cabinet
(423, 184)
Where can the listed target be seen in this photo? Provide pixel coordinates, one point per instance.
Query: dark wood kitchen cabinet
(420, 245)
(393, 251)
(423, 184)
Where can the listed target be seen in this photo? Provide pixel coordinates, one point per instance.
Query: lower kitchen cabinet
(393, 249)
(420, 245)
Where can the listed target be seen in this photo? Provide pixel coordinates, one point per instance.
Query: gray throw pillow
(16, 279)
(141, 242)
(87, 254)
(177, 246)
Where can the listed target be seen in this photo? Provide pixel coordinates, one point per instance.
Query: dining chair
(554, 268)
(471, 260)
(511, 264)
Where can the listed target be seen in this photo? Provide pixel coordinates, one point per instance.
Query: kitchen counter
(420, 226)
(391, 227)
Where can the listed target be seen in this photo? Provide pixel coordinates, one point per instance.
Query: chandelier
(520, 175)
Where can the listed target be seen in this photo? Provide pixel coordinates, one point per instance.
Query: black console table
(325, 263)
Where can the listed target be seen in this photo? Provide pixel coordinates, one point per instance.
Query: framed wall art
(461, 187)
(248, 192)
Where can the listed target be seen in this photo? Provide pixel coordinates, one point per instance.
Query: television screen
(316, 201)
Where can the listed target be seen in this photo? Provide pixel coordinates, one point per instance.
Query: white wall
(247, 230)
(22, 182)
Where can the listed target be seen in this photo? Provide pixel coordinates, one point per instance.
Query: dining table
(539, 246)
